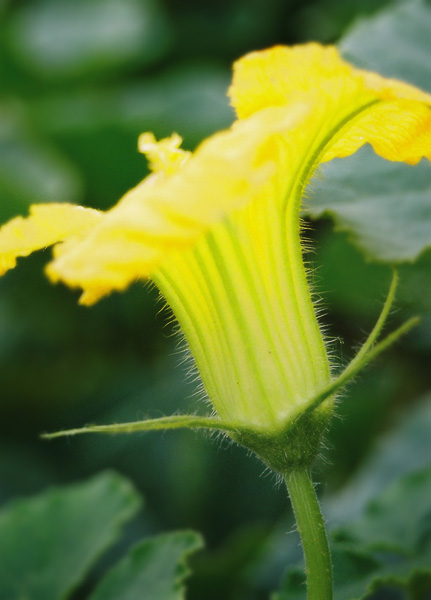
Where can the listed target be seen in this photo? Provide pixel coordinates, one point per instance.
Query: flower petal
(393, 116)
(283, 75)
(398, 130)
(297, 106)
(164, 156)
(163, 215)
(47, 224)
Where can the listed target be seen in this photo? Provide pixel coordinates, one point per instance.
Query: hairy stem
(312, 530)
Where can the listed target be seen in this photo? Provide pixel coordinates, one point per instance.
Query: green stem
(312, 530)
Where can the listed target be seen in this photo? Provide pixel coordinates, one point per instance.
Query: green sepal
(367, 352)
(162, 423)
(355, 366)
(295, 444)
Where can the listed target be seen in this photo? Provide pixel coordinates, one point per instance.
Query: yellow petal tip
(7, 262)
(164, 155)
(90, 297)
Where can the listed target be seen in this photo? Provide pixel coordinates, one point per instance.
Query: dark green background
(80, 80)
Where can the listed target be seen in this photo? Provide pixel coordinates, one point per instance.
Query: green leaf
(154, 569)
(401, 451)
(389, 544)
(293, 586)
(403, 27)
(397, 521)
(72, 38)
(189, 98)
(49, 543)
(385, 207)
(394, 530)
(354, 572)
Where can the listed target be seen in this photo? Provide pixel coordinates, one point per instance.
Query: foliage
(387, 212)
(69, 122)
(49, 545)
(388, 545)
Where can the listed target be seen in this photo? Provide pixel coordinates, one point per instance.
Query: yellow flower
(218, 230)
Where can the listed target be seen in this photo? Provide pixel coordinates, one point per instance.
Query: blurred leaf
(414, 295)
(406, 448)
(400, 452)
(355, 288)
(31, 170)
(326, 20)
(398, 522)
(353, 291)
(404, 28)
(229, 571)
(395, 529)
(415, 288)
(75, 37)
(189, 97)
(354, 571)
(386, 207)
(360, 418)
(154, 569)
(293, 586)
(49, 543)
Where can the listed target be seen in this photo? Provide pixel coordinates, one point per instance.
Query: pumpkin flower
(218, 231)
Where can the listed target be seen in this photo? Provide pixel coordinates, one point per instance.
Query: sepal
(162, 423)
(295, 442)
(367, 352)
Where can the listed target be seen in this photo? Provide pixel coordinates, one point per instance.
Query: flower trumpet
(219, 232)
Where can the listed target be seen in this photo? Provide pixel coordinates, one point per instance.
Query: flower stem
(312, 530)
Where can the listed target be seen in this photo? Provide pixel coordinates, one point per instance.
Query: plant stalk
(311, 526)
